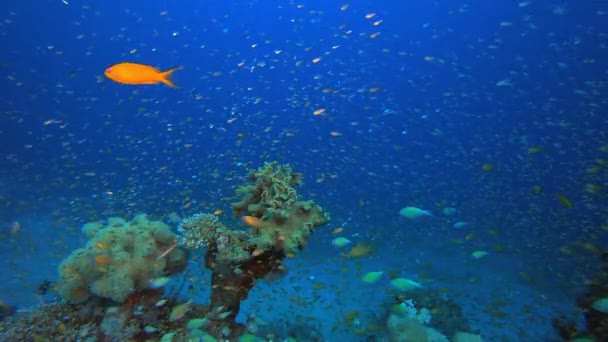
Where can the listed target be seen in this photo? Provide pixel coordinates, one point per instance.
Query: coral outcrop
(280, 225)
(120, 258)
(592, 305)
(114, 277)
(410, 319)
(285, 222)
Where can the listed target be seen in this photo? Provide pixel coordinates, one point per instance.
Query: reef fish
(404, 284)
(601, 305)
(340, 241)
(360, 250)
(460, 224)
(133, 73)
(564, 201)
(372, 277)
(159, 282)
(103, 260)
(413, 212)
(479, 254)
(252, 221)
(449, 211)
(180, 311)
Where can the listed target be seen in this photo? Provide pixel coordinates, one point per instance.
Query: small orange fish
(319, 111)
(133, 73)
(102, 245)
(103, 260)
(360, 250)
(252, 221)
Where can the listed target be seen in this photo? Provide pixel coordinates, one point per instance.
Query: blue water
(433, 104)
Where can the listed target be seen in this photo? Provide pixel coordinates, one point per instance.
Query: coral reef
(205, 230)
(143, 316)
(596, 316)
(448, 316)
(120, 258)
(410, 319)
(407, 322)
(284, 222)
(107, 285)
(6, 310)
(280, 226)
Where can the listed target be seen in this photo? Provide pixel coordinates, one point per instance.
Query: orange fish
(132, 73)
(103, 260)
(102, 245)
(252, 221)
(319, 111)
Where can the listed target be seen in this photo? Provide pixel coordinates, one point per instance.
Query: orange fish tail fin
(165, 77)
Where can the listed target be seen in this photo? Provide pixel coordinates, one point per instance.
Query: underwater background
(488, 119)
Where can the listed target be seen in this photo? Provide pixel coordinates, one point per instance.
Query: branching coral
(206, 230)
(199, 230)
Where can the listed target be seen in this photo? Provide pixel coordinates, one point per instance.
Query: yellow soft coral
(120, 258)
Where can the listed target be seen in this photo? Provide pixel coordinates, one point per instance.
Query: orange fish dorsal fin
(165, 77)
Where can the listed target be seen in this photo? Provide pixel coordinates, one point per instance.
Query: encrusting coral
(120, 258)
(281, 225)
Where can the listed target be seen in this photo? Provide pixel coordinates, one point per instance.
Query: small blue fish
(460, 224)
(449, 211)
(405, 284)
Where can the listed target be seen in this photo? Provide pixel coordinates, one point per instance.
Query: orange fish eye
(108, 70)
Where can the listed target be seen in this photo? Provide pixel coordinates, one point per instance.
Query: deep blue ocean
(489, 116)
